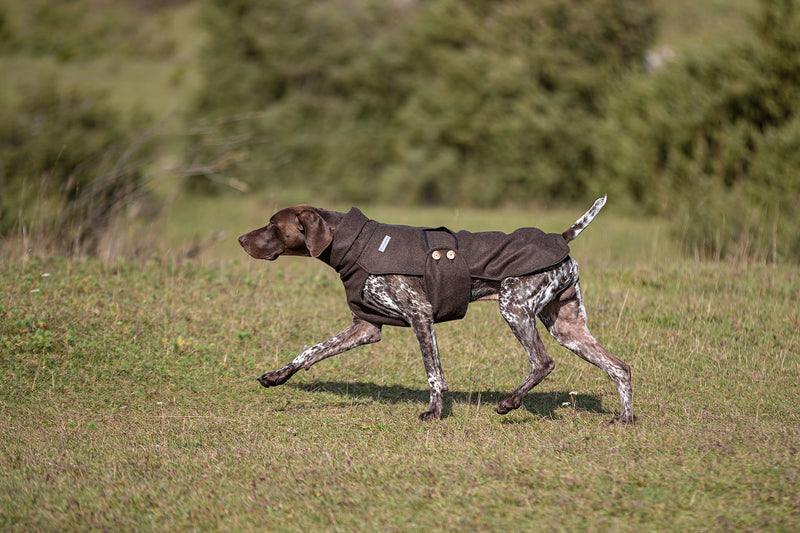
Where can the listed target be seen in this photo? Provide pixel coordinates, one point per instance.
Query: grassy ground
(129, 400)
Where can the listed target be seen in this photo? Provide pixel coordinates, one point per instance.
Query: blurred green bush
(448, 102)
(713, 142)
(69, 30)
(69, 164)
(488, 102)
(438, 102)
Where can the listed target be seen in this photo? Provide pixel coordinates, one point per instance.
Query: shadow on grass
(543, 404)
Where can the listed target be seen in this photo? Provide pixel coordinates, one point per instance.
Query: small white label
(384, 244)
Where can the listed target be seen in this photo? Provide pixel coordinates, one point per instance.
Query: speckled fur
(554, 296)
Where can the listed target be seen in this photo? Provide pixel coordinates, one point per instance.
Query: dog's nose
(242, 239)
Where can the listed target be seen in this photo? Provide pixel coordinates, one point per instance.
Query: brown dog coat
(446, 260)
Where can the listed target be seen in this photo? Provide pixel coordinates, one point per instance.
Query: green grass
(129, 400)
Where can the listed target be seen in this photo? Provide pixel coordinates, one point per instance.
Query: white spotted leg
(356, 334)
(520, 299)
(403, 297)
(565, 319)
(426, 336)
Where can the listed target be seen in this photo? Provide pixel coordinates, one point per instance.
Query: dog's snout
(242, 239)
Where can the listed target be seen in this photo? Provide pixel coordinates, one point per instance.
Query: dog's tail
(585, 220)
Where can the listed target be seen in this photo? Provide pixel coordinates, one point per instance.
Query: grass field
(129, 400)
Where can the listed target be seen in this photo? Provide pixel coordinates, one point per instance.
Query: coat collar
(345, 235)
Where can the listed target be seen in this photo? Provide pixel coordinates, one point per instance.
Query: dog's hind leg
(520, 300)
(565, 319)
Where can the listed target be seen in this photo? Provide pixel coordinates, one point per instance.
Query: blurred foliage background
(686, 110)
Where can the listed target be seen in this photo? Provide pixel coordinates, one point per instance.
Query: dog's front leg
(426, 336)
(404, 297)
(358, 333)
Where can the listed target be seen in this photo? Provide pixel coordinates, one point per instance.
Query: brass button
(451, 254)
(436, 255)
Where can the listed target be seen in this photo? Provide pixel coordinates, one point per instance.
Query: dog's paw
(626, 419)
(506, 406)
(276, 377)
(430, 415)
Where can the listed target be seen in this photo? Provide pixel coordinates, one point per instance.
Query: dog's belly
(484, 290)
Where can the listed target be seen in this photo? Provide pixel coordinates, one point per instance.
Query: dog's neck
(333, 219)
(325, 256)
(346, 228)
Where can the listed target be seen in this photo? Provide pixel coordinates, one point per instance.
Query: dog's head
(299, 230)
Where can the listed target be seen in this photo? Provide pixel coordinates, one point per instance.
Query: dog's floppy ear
(318, 232)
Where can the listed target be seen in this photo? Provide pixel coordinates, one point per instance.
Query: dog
(409, 276)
